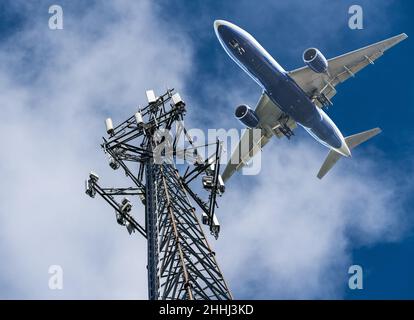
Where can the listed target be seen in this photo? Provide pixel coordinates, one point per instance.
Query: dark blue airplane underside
(280, 88)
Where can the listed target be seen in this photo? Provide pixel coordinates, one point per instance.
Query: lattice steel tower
(181, 264)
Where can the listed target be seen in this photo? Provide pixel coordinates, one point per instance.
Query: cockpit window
(234, 43)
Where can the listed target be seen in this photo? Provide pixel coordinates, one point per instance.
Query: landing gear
(324, 100)
(287, 132)
(283, 126)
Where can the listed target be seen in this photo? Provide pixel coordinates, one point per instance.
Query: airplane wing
(272, 122)
(321, 86)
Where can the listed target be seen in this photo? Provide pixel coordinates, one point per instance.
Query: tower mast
(181, 263)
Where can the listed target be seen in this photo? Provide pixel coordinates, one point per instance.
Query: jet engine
(315, 60)
(247, 116)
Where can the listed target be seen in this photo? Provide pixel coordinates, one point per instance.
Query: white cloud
(292, 235)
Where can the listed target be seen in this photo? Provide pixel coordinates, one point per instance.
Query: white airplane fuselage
(279, 86)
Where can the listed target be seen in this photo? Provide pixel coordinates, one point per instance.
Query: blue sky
(100, 65)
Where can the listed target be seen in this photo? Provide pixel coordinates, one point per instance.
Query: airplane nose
(217, 24)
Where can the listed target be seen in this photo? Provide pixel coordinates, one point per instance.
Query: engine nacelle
(315, 60)
(247, 116)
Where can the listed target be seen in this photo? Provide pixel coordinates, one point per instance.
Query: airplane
(294, 97)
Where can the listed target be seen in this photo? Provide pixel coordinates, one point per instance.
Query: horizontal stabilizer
(330, 161)
(352, 142)
(357, 139)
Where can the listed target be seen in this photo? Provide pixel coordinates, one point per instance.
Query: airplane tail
(352, 142)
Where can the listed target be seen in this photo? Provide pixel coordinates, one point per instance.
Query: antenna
(181, 263)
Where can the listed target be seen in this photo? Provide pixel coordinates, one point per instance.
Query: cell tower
(181, 264)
